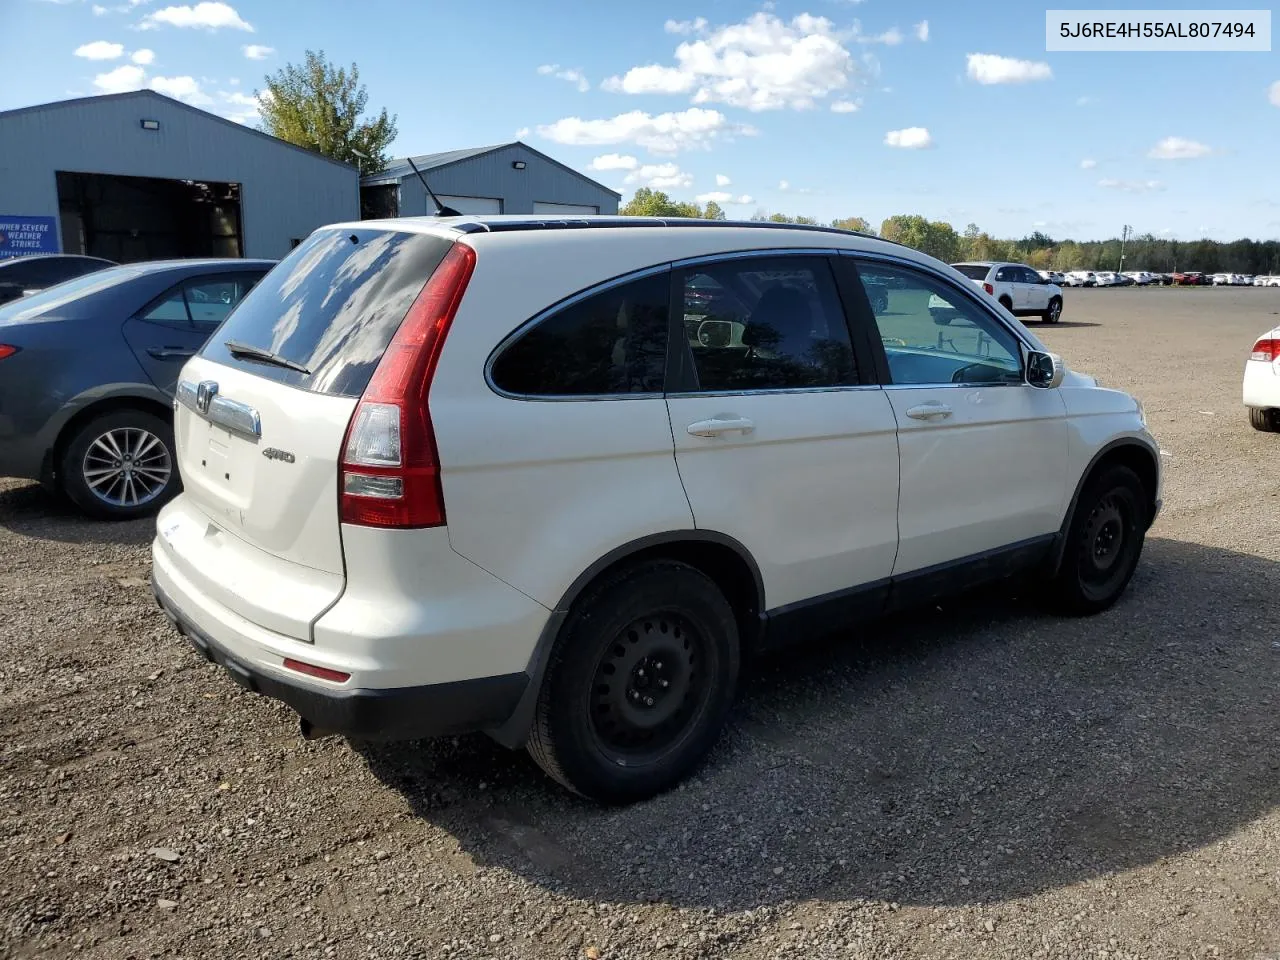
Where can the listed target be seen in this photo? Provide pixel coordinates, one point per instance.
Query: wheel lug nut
(648, 701)
(663, 683)
(640, 672)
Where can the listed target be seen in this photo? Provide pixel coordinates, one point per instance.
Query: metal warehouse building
(138, 176)
(505, 178)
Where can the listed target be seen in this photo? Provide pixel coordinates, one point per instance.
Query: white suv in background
(1017, 288)
(558, 480)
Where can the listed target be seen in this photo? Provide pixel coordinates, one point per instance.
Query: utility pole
(1125, 234)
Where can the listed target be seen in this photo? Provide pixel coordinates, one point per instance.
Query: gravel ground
(976, 781)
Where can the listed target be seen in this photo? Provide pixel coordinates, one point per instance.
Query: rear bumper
(395, 713)
(1261, 384)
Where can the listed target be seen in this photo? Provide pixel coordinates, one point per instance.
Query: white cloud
(784, 185)
(143, 57)
(100, 50)
(909, 138)
(987, 68)
(723, 197)
(659, 176)
(207, 15)
(722, 180)
(763, 63)
(256, 51)
(844, 106)
(685, 26)
(613, 161)
(1273, 94)
(99, 11)
(1178, 148)
(574, 76)
(890, 38)
(522, 133)
(664, 133)
(1131, 186)
(122, 78)
(1088, 164)
(237, 106)
(181, 88)
(922, 30)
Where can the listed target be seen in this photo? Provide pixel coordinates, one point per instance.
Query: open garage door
(563, 209)
(127, 219)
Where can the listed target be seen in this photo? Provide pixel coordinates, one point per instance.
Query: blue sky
(822, 107)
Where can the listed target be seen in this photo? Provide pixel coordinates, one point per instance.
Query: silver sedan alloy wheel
(127, 467)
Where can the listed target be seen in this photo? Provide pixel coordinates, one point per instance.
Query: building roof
(151, 94)
(399, 169)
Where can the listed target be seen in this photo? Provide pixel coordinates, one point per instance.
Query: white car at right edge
(1262, 382)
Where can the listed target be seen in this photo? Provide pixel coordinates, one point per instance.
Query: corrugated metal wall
(492, 175)
(285, 192)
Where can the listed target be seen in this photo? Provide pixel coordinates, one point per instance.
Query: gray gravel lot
(982, 780)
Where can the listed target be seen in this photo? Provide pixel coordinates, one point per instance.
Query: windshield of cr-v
(974, 271)
(331, 307)
(51, 298)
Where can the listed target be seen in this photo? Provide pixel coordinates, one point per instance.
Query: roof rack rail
(610, 222)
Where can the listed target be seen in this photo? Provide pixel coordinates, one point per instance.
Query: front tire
(120, 465)
(1264, 420)
(1104, 543)
(639, 684)
(1054, 313)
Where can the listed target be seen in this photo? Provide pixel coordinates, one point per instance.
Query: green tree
(809, 221)
(780, 218)
(856, 224)
(321, 107)
(648, 202)
(713, 211)
(935, 238)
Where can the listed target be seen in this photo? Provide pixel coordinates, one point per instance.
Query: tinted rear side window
(332, 305)
(973, 272)
(607, 344)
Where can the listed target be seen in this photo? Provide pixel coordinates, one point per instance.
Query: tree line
(1038, 250)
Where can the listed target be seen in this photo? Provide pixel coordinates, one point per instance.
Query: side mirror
(1045, 370)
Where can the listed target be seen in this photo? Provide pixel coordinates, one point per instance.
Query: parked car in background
(1262, 382)
(1261, 280)
(1053, 276)
(1016, 287)
(1081, 278)
(21, 276)
(87, 375)
(1143, 278)
(385, 526)
(1105, 278)
(1190, 278)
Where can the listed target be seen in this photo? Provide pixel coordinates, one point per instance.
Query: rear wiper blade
(239, 349)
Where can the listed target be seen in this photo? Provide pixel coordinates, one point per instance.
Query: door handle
(171, 353)
(929, 411)
(718, 425)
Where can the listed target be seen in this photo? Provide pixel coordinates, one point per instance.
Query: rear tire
(120, 465)
(639, 685)
(1104, 543)
(1054, 313)
(1264, 420)
(1007, 304)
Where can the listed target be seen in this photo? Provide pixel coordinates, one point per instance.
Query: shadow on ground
(979, 753)
(32, 511)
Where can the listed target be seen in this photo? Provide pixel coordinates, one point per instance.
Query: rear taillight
(1266, 349)
(7, 351)
(989, 288)
(390, 475)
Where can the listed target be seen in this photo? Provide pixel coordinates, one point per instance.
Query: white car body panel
(969, 484)
(1262, 379)
(808, 534)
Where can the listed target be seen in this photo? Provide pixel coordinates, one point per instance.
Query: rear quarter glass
(974, 272)
(332, 306)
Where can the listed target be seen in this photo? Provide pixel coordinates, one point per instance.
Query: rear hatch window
(330, 308)
(973, 271)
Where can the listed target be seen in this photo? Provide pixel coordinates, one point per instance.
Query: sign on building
(23, 236)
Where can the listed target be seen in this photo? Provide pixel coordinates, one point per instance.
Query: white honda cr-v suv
(556, 480)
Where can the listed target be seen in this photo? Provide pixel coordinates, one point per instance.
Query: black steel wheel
(1104, 542)
(639, 683)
